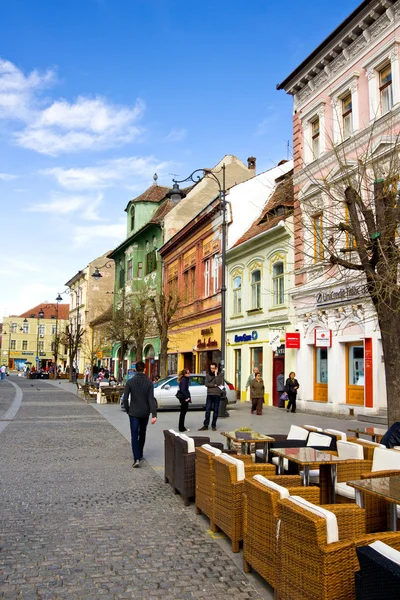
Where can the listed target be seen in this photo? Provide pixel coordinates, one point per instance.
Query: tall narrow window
(129, 271)
(24, 344)
(140, 270)
(13, 345)
(215, 263)
(151, 261)
(278, 283)
(347, 116)
(256, 289)
(132, 218)
(192, 283)
(318, 238)
(237, 295)
(350, 240)
(26, 327)
(207, 277)
(315, 138)
(42, 330)
(385, 89)
(41, 346)
(14, 327)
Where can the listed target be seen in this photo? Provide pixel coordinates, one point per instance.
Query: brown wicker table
(310, 458)
(375, 433)
(386, 488)
(249, 437)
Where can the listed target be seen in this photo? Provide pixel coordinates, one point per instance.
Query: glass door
(321, 375)
(355, 373)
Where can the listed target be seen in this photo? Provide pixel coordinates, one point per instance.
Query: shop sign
(280, 351)
(323, 338)
(24, 353)
(341, 294)
(246, 337)
(99, 354)
(203, 344)
(207, 331)
(293, 340)
(275, 337)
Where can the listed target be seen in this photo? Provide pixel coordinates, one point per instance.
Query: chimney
(251, 164)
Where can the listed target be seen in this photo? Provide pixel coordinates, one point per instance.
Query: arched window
(237, 295)
(278, 283)
(256, 289)
(132, 218)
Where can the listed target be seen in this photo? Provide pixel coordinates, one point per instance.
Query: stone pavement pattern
(79, 523)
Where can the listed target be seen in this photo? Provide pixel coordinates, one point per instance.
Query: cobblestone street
(79, 522)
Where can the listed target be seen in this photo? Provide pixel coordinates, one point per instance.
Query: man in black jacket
(141, 392)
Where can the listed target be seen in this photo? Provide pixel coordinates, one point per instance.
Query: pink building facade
(345, 121)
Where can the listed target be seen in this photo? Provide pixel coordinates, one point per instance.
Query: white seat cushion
(215, 451)
(313, 428)
(342, 489)
(385, 460)
(349, 450)
(275, 461)
(313, 475)
(332, 532)
(337, 432)
(173, 431)
(317, 439)
(371, 443)
(190, 442)
(239, 465)
(387, 551)
(283, 492)
(297, 433)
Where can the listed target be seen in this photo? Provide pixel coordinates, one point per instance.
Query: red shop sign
(293, 340)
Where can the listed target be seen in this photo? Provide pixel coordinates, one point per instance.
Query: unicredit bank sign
(246, 337)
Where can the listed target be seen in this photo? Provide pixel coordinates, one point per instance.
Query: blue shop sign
(246, 337)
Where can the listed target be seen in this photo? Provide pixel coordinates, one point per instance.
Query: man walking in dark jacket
(141, 392)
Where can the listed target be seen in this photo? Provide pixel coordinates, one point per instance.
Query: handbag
(181, 396)
(284, 396)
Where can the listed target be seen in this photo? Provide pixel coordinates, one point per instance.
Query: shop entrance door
(355, 373)
(278, 365)
(321, 375)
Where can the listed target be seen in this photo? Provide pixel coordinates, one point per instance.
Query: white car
(165, 392)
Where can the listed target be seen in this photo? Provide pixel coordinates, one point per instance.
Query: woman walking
(291, 387)
(184, 397)
(257, 394)
(214, 383)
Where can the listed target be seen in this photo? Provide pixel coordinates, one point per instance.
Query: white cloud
(17, 267)
(108, 173)
(116, 232)
(176, 135)
(7, 177)
(86, 206)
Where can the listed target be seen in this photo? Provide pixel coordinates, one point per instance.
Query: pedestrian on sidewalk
(251, 377)
(214, 383)
(280, 388)
(3, 371)
(140, 390)
(183, 397)
(291, 387)
(257, 394)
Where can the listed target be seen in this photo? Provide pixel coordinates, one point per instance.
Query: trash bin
(222, 412)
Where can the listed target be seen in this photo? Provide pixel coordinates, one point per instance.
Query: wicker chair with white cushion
(317, 440)
(379, 574)
(296, 438)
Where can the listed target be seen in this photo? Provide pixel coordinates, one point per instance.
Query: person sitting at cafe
(112, 381)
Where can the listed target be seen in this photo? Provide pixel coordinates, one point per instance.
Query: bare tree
(350, 222)
(164, 304)
(72, 340)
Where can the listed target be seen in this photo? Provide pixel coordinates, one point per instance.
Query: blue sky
(97, 95)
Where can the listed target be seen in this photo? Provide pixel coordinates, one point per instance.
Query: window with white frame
(344, 99)
(41, 346)
(278, 283)
(42, 330)
(347, 116)
(237, 295)
(318, 247)
(207, 277)
(313, 124)
(256, 289)
(14, 327)
(385, 89)
(24, 344)
(25, 327)
(315, 139)
(13, 345)
(53, 329)
(215, 273)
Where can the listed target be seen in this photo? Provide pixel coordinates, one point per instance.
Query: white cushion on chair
(350, 450)
(317, 439)
(332, 532)
(313, 475)
(275, 461)
(173, 431)
(283, 492)
(387, 551)
(385, 460)
(313, 428)
(215, 451)
(297, 433)
(342, 489)
(336, 432)
(239, 465)
(190, 442)
(371, 443)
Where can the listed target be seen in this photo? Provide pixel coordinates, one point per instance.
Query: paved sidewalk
(79, 523)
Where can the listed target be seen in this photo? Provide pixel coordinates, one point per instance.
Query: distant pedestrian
(291, 387)
(183, 397)
(87, 373)
(280, 388)
(139, 402)
(3, 371)
(252, 376)
(257, 394)
(214, 383)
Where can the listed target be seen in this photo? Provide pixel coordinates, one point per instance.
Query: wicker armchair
(379, 574)
(205, 480)
(169, 456)
(312, 566)
(260, 544)
(228, 499)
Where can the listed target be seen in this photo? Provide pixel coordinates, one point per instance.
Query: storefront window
(257, 359)
(172, 364)
(322, 365)
(356, 365)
